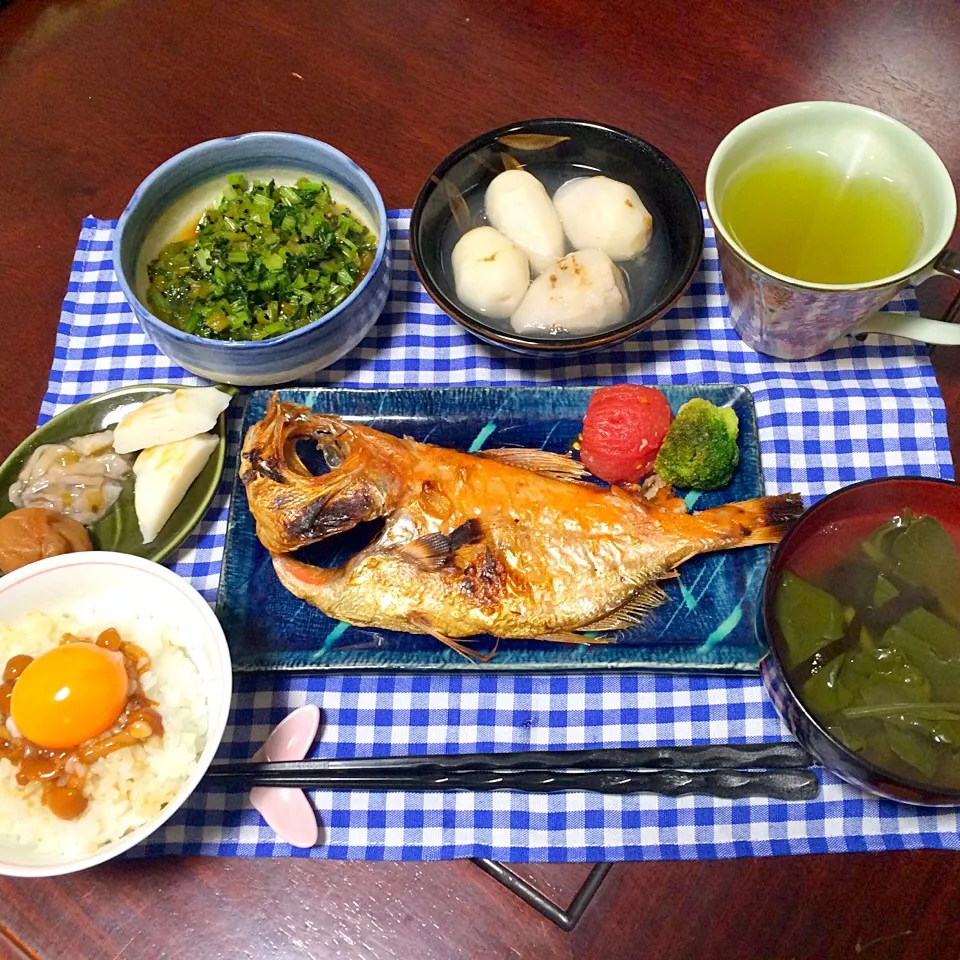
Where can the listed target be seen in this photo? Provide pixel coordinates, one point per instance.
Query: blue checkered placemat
(863, 410)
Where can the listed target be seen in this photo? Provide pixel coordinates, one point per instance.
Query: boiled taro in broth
(872, 646)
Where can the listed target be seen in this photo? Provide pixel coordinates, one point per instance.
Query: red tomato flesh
(623, 430)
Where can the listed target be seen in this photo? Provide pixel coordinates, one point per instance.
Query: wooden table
(95, 93)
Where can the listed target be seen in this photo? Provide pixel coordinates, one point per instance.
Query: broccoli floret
(700, 449)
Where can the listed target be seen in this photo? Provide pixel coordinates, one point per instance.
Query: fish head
(293, 507)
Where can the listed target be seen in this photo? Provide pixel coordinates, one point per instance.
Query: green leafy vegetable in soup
(873, 647)
(266, 260)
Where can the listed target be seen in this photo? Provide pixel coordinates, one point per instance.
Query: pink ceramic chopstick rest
(286, 809)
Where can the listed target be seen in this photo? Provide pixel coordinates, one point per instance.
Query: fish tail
(752, 522)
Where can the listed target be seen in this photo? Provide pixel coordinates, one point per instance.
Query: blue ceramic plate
(707, 625)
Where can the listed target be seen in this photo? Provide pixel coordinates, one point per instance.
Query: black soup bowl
(826, 533)
(451, 202)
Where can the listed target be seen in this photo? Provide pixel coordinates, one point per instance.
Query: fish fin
(554, 465)
(421, 623)
(751, 522)
(567, 636)
(435, 550)
(633, 612)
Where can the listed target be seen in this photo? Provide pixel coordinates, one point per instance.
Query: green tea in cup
(823, 212)
(800, 213)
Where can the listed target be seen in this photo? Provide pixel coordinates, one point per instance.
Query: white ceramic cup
(792, 319)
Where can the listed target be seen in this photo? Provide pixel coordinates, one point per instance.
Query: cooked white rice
(126, 788)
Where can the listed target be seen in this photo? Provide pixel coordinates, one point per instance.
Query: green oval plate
(118, 529)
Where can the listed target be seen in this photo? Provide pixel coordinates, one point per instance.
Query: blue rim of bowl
(382, 241)
(769, 591)
(499, 337)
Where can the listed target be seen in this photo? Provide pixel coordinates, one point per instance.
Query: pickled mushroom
(34, 533)
(81, 478)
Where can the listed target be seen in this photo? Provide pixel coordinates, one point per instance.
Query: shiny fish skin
(550, 556)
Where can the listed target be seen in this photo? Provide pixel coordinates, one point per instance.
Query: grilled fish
(513, 543)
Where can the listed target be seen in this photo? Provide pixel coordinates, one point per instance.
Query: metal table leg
(564, 919)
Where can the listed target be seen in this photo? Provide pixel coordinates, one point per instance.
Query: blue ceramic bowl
(280, 359)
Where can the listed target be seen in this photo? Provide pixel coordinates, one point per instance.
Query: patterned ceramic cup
(791, 319)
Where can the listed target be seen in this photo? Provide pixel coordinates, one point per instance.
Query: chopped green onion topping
(266, 260)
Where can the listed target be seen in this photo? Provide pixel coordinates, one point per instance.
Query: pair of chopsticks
(776, 770)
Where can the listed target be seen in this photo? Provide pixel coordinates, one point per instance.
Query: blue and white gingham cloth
(862, 410)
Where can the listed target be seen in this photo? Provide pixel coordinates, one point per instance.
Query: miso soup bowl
(451, 202)
(155, 205)
(871, 498)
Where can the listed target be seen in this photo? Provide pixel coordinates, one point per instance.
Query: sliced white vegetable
(582, 293)
(170, 417)
(520, 208)
(605, 214)
(491, 272)
(163, 475)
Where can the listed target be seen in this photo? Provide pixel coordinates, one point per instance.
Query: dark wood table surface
(96, 93)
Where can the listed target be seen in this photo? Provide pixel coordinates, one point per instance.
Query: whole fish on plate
(511, 542)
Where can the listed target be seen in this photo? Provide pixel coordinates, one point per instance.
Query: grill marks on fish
(268, 468)
(486, 581)
(512, 544)
(324, 518)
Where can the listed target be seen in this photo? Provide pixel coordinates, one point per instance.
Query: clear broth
(643, 276)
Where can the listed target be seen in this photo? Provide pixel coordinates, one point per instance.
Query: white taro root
(582, 293)
(491, 272)
(163, 475)
(520, 208)
(170, 417)
(604, 214)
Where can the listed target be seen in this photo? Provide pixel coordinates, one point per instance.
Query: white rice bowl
(134, 790)
(126, 788)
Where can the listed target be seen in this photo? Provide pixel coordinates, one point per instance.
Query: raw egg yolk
(68, 695)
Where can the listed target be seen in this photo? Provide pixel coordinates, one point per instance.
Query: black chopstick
(725, 770)
(788, 783)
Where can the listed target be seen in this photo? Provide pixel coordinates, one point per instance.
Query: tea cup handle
(941, 332)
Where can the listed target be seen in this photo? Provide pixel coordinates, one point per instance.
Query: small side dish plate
(708, 625)
(117, 530)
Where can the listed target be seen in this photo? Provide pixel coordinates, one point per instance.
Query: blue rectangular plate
(708, 625)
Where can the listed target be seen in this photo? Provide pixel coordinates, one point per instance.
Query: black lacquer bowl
(451, 202)
(869, 499)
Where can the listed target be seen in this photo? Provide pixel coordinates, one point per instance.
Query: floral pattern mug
(795, 320)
